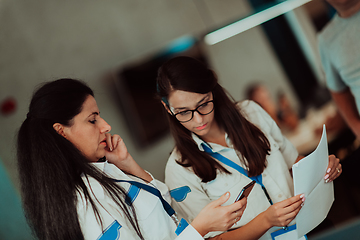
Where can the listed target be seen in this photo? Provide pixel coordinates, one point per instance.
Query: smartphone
(245, 191)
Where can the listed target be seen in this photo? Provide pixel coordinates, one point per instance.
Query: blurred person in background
(281, 112)
(340, 55)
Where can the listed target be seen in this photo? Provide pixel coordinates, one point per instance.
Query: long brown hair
(188, 74)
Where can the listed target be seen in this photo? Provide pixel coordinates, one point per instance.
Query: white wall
(48, 39)
(248, 58)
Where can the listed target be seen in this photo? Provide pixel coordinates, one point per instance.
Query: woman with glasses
(79, 181)
(222, 146)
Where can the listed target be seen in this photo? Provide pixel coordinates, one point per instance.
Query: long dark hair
(50, 166)
(188, 74)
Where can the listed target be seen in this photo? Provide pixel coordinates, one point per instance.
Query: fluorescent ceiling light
(252, 21)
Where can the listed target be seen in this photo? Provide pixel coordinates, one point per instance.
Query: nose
(105, 127)
(198, 118)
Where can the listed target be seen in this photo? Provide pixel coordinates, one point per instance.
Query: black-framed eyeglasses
(203, 109)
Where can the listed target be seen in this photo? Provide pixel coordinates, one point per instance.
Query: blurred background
(117, 46)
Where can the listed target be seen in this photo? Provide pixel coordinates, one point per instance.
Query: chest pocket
(144, 204)
(223, 182)
(143, 201)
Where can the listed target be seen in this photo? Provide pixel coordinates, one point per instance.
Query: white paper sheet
(308, 176)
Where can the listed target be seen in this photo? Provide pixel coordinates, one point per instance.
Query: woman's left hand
(334, 169)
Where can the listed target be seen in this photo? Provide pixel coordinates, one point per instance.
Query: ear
(166, 107)
(59, 128)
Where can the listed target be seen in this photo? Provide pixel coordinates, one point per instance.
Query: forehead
(183, 99)
(89, 106)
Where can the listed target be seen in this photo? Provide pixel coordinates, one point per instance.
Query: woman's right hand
(117, 153)
(282, 213)
(214, 217)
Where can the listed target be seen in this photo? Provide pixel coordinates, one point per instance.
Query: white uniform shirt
(153, 220)
(191, 195)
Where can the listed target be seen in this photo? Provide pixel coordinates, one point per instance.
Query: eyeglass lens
(202, 109)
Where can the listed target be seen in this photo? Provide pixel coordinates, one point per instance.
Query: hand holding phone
(245, 191)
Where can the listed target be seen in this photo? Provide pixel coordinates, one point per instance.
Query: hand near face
(334, 169)
(116, 151)
(282, 213)
(117, 154)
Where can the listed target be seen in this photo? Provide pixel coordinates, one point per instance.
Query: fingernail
(302, 204)
(329, 169)
(326, 176)
(303, 199)
(227, 194)
(327, 180)
(110, 149)
(302, 195)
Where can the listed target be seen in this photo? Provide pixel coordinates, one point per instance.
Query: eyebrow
(198, 103)
(94, 113)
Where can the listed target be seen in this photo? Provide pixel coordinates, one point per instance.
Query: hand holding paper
(282, 213)
(334, 169)
(309, 174)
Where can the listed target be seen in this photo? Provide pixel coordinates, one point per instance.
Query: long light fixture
(252, 21)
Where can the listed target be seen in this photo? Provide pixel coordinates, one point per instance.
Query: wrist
(130, 166)
(200, 228)
(128, 160)
(265, 219)
(126, 164)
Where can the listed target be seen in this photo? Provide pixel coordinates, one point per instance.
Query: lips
(201, 127)
(103, 142)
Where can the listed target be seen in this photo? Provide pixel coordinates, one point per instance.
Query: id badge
(289, 233)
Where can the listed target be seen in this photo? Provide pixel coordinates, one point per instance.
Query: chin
(93, 161)
(98, 157)
(202, 132)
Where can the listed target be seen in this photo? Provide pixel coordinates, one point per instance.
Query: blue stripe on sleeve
(182, 225)
(112, 232)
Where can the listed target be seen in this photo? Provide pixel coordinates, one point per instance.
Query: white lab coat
(153, 220)
(276, 176)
